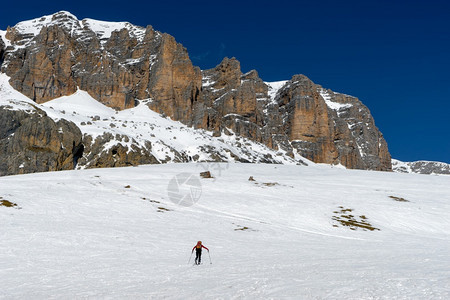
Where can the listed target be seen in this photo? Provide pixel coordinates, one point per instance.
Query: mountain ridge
(421, 167)
(118, 64)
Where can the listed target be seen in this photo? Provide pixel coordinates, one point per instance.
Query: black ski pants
(198, 255)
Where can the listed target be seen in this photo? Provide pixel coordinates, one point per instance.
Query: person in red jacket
(198, 252)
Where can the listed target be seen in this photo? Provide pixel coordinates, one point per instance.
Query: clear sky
(393, 55)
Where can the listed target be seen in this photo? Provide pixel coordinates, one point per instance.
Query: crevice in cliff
(2, 57)
(77, 154)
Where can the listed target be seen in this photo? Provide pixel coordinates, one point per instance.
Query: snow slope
(115, 233)
(13, 99)
(274, 87)
(331, 104)
(139, 125)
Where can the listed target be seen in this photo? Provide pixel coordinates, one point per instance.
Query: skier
(198, 252)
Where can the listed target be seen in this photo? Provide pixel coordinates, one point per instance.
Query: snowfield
(296, 230)
(117, 234)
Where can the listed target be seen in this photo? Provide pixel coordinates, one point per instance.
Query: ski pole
(210, 261)
(190, 257)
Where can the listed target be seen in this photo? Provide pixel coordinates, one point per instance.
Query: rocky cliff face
(115, 62)
(298, 115)
(33, 142)
(118, 63)
(231, 100)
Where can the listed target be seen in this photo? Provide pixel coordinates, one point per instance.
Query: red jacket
(200, 248)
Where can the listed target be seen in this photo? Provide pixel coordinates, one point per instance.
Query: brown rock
(174, 83)
(231, 98)
(206, 174)
(7, 203)
(67, 54)
(307, 120)
(298, 119)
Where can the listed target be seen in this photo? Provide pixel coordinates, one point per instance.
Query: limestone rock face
(174, 83)
(118, 63)
(63, 53)
(298, 117)
(33, 142)
(329, 127)
(231, 99)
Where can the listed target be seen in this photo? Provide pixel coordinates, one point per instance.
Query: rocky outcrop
(330, 127)
(301, 117)
(118, 155)
(117, 63)
(421, 167)
(231, 100)
(32, 142)
(174, 84)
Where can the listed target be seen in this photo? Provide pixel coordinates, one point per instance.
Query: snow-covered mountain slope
(274, 87)
(12, 99)
(134, 128)
(115, 233)
(421, 167)
(140, 124)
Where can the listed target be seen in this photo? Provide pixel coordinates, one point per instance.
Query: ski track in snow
(84, 234)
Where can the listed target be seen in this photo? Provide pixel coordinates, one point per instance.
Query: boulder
(206, 174)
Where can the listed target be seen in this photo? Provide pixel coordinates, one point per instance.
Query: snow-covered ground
(115, 233)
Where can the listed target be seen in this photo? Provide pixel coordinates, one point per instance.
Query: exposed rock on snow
(421, 167)
(206, 174)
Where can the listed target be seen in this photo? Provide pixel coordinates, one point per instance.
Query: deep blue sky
(393, 55)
